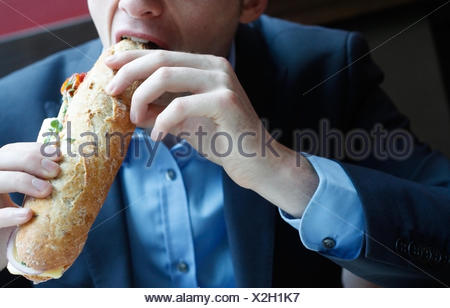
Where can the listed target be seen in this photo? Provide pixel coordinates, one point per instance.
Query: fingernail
(50, 151)
(40, 184)
(51, 167)
(133, 117)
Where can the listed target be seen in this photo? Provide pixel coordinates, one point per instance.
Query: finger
(158, 58)
(134, 66)
(150, 117)
(117, 61)
(13, 181)
(171, 79)
(28, 157)
(12, 216)
(213, 105)
(45, 150)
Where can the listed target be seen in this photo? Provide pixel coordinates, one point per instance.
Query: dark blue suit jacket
(406, 203)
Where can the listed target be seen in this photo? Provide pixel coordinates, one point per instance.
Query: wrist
(287, 180)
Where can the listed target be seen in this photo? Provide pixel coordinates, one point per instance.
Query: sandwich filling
(148, 44)
(68, 89)
(55, 274)
(20, 268)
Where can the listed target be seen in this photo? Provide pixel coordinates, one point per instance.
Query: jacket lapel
(250, 228)
(107, 247)
(250, 218)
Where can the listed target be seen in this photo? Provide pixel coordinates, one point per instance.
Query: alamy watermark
(354, 145)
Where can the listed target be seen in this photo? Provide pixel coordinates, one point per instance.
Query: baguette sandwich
(92, 131)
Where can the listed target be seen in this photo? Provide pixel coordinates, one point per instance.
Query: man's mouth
(149, 41)
(148, 44)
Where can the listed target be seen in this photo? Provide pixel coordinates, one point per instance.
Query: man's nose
(141, 8)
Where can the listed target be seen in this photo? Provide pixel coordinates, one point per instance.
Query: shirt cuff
(333, 221)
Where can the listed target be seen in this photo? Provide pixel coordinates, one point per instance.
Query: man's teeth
(136, 39)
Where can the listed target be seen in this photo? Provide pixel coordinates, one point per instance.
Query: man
(224, 221)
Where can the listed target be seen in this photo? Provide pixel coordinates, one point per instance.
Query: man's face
(200, 26)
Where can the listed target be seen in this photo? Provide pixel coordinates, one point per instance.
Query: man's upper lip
(144, 36)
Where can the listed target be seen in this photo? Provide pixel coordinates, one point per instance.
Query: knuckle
(179, 105)
(160, 122)
(164, 73)
(160, 56)
(20, 179)
(229, 97)
(225, 80)
(39, 149)
(127, 56)
(124, 71)
(30, 158)
(137, 97)
(222, 64)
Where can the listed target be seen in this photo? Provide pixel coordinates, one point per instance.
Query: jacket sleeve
(403, 185)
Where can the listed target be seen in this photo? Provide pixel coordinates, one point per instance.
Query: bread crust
(55, 237)
(37, 279)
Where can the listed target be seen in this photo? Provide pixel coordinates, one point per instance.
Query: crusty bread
(37, 279)
(56, 236)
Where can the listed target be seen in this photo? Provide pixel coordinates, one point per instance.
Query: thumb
(12, 216)
(4, 237)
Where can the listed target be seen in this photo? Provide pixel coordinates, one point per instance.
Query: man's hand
(216, 117)
(23, 168)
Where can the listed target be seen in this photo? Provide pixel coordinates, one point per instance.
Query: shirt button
(182, 267)
(171, 175)
(328, 243)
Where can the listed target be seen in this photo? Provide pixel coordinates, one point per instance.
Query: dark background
(410, 45)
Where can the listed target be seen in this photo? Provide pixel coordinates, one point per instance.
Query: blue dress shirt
(175, 216)
(176, 222)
